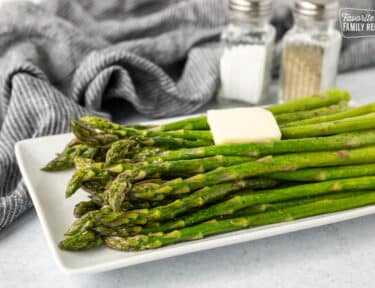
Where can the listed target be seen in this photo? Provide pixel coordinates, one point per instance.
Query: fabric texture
(63, 59)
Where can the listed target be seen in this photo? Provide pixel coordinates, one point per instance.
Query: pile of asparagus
(151, 186)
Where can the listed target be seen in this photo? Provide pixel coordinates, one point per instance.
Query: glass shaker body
(245, 64)
(310, 58)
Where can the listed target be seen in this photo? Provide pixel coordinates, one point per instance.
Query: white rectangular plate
(47, 191)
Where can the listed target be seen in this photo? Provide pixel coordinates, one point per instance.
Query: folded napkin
(62, 59)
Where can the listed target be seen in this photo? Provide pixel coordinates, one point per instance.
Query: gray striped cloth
(63, 59)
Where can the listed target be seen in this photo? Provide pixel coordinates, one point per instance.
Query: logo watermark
(357, 22)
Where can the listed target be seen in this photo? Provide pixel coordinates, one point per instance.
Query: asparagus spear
(65, 159)
(127, 148)
(139, 186)
(83, 207)
(348, 140)
(96, 194)
(134, 205)
(178, 167)
(140, 126)
(267, 207)
(81, 240)
(327, 173)
(198, 199)
(358, 123)
(83, 163)
(98, 171)
(212, 227)
(370, 108)
(83, 175)
(297, 116)
(96, 131)
(115, 194)
(155, 227)
(97, 182)
(325, 98)
(95, 187)
(98, 199)
(145, 153)
(142, 216)
(195, 123)
(266, 165)
(229, 207)
(122, 149)
(93, 137)
(251, 198)
(94, 177)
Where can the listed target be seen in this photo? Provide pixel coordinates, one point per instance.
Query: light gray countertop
(339, 255)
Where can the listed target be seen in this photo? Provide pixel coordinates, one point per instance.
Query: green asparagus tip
(81, 241)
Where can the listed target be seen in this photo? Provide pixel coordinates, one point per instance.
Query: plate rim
(34, 198)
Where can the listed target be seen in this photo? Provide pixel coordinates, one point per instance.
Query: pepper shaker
(310, 50)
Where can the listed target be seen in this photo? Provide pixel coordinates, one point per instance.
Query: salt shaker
(247, 44)
(310, 50)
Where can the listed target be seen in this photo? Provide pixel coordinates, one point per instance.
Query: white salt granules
(242, 71)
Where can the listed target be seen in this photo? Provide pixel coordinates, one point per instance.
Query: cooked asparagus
(228, 207)
(84, 207)
(142, 216)
(267, 207)
(212, 227)
(325, 98)
(358, 123)
(126, 148)
(341, 141)
(266, 165)
(156, 227)
(116, 193)
(144, 182)
(96, 131)
(291, 114)
(195, 123)
(65, 159)
(99, 136)
(251, 198)
(367, 109)
(327, 173)
(80, 241)
(297, 116)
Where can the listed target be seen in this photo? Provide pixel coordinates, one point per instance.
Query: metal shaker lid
(316, 9)
(254, 8)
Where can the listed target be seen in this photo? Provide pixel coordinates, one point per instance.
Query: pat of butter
(243, 125)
